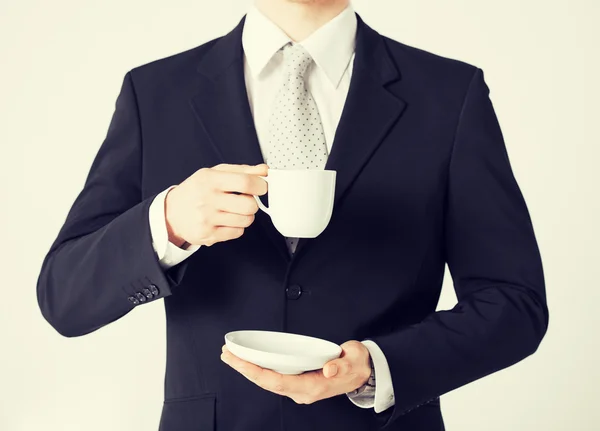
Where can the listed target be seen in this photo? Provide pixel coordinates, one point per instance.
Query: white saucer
(282, 352)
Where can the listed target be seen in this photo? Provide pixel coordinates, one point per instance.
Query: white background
(61, 66)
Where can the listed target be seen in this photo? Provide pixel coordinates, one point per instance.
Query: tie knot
(296, 59)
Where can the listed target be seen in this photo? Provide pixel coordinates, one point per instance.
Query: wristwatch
(368, 389)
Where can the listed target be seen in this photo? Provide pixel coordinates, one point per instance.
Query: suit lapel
(222, 108)
(369, 113)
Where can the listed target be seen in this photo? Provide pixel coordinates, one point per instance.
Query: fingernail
(333, 370)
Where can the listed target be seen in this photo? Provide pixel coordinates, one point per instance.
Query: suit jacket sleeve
(501, 315)
(103, 257)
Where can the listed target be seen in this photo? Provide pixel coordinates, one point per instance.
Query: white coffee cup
(300, 200)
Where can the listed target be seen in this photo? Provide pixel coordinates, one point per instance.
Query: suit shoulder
(172, 66)
(425, 64)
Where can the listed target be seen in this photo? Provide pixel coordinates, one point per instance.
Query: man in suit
(423, 179)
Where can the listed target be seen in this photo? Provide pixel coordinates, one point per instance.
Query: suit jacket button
(133, 300)
(294, 291)
(148, 293)
(140, 297)
(153, 289)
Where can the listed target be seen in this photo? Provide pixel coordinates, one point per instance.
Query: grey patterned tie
(296, 137)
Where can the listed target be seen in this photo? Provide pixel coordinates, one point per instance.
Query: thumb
(337, 367)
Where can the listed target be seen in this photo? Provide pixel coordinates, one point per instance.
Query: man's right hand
(204, 209)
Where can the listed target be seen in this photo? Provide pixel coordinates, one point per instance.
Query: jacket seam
(461, 114)
(139, 123)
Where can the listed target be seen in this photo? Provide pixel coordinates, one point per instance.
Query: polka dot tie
(296, 137)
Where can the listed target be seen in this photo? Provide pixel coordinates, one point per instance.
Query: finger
(246, 368)
(288, 385)
(241, 178)
(236, 204)
(266, 379)
(222, 218)
(235, 182)
(312, 386)
(260, 169)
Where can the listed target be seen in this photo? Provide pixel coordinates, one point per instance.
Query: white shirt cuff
(168, 253)
(384, 390)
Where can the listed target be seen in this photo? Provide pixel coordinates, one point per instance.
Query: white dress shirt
(328, 80)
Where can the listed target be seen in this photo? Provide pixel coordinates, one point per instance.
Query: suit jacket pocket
(189, 414)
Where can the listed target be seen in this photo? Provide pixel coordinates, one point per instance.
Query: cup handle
(259, 202)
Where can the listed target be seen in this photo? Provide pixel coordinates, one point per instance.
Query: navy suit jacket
(423, 179)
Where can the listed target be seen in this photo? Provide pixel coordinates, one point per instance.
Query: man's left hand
(338, 376)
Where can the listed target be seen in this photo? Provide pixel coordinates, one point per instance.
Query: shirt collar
(331, 46)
